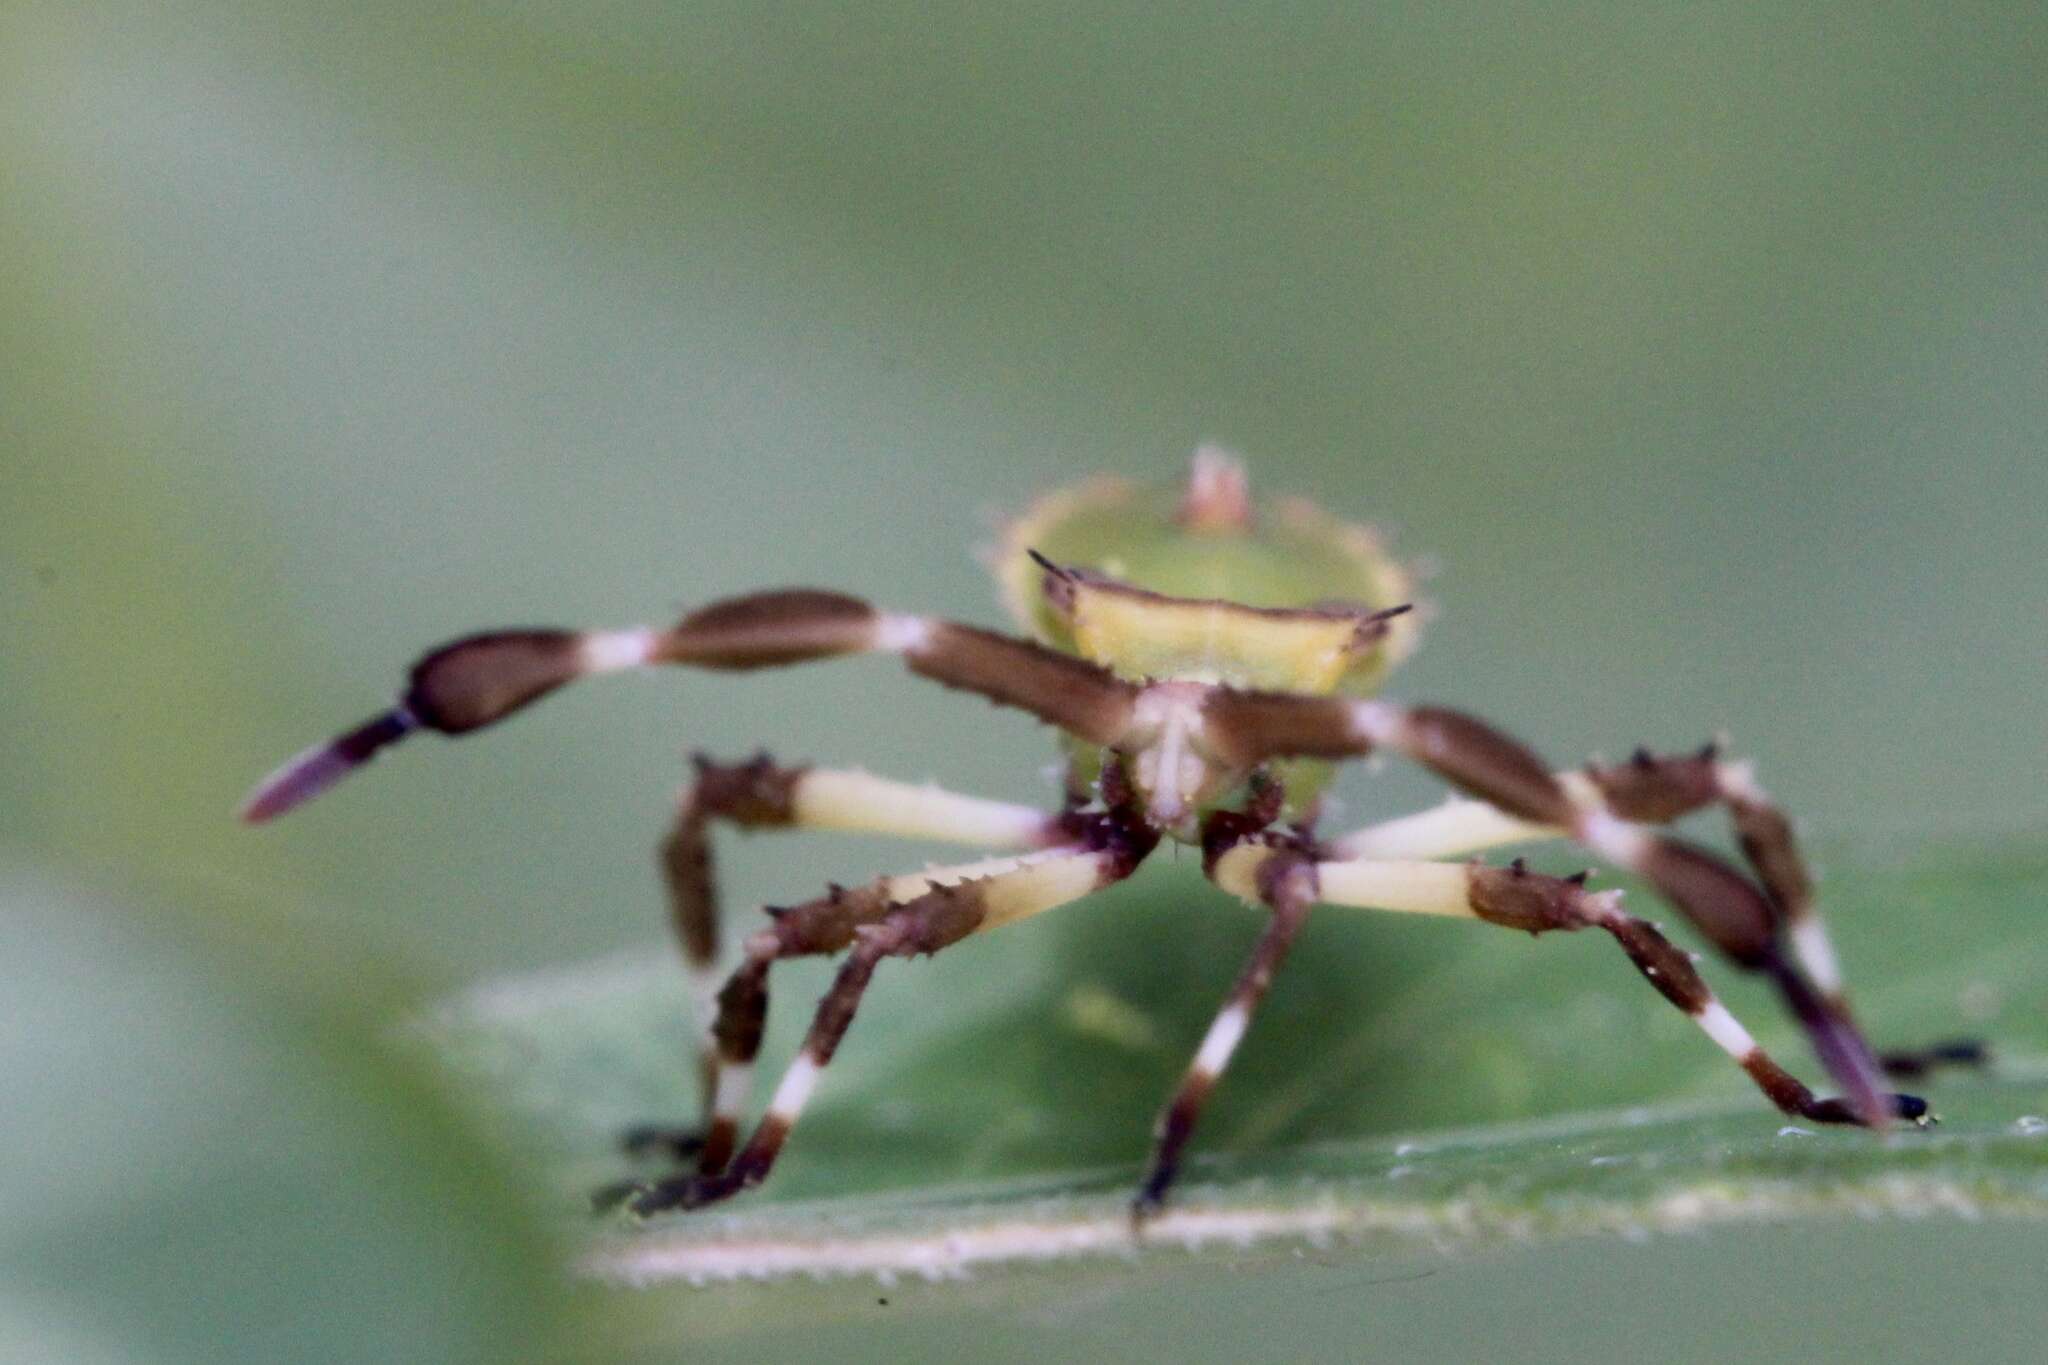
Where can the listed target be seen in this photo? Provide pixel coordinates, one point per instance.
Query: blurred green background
(1703, 347)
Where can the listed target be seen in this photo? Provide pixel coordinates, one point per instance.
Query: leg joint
(1517, 898)
(940, 917)
(754, 794)
(1657, 790)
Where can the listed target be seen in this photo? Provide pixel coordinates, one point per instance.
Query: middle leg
(822, 927)
(1284, 883)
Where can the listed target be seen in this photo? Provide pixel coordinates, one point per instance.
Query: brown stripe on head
(1058, 586)
(1142, 633)
(1375, 626)
(764, 629)
(1196, 541)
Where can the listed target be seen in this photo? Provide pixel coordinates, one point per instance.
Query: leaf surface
(1413, 1089)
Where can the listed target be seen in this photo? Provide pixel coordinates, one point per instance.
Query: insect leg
(761, 794)
(1517, 898)
(1659, 789)
(897, 917)
(1283, 883)
(822, 926)
(1742, 920)
(479, 680)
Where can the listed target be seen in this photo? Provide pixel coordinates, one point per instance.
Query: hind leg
(1659, 789)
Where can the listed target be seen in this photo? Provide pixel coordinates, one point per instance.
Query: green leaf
(1414, 1089)
(211, 1153)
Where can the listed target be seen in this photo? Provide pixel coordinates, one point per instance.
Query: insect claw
(690, 1191)
(653, 1138)
(658, 1198)
(605, 1198)
(1579, 878)
(1709, 751)
(1643, 758)
(1520, 867)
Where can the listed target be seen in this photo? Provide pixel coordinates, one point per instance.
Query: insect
(1207, 658)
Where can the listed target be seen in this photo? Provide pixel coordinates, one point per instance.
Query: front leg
(479, 680)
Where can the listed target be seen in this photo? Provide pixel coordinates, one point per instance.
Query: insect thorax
(1204, 585)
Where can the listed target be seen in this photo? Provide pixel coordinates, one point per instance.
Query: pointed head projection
(1204, 582)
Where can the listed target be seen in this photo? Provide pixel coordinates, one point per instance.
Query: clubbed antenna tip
(308, 774)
